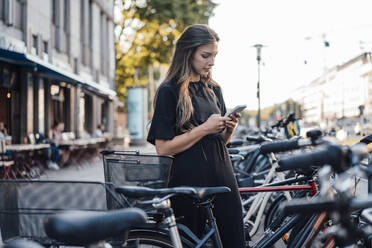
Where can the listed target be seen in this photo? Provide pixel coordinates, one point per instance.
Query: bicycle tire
(151, 239)
(273, 212)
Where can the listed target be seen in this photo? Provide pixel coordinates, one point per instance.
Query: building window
(34, 49)
(8, 12)
(18, 14)
(90, 28)
(45, 47)
(76, 66)
(108, 47)
(56, 23)
(55, 15)
(66, 23)
(102, 41)
(45, 51)
(86, 20)
(83, 31)
(1, 10)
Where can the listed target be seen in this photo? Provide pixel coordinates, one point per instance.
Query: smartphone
(235, 110)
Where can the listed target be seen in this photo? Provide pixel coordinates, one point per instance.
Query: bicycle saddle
(258, 138)
(233, 150)
(235, 142)
(84, 227)
(195, 192)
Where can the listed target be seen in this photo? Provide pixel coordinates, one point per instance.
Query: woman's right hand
(215, 123)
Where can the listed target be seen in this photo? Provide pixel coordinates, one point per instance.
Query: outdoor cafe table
(27, 163)
(82, 149)
(81, 141)
(27, 147)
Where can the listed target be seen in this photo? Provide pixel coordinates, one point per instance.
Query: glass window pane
(18, 14)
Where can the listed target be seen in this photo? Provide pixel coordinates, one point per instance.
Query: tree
(146, 33)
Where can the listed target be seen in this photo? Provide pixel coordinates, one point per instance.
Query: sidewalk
(89, 172)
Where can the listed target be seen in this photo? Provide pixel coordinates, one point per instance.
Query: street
(94, 172)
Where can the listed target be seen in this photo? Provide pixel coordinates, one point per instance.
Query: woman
(188, 123)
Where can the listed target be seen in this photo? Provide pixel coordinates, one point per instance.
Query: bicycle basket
(24, 204)
(134, 168)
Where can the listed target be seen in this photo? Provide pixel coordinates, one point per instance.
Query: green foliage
(147, 31)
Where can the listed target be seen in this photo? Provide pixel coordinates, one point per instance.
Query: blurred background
(92, 62)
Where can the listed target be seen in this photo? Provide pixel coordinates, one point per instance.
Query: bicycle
(348, 228)
(85, 228)
(164, 231)
(306, 227)
(263, 197)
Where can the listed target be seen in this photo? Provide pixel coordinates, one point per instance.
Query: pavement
(89, 171)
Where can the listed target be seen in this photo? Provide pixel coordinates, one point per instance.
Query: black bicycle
(162, 230)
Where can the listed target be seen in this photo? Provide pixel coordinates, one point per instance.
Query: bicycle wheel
(273, 212)
(150, 239)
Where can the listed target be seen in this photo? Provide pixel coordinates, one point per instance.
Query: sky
(292, 31)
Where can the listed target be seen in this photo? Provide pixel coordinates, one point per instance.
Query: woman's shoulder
(168, 87)
(214, 86)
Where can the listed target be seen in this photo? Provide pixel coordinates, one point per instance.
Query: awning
(35, 62)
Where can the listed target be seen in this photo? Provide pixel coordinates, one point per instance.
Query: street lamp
(258, 48)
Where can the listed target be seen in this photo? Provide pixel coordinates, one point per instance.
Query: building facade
(339, 93)
(57, 64)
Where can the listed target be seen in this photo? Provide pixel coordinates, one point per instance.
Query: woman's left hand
(232, 123)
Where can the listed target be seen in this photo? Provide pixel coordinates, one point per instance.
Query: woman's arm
(230, 127)
(180, 143)
(226, 135)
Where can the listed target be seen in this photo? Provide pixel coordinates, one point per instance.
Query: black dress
(206, 163)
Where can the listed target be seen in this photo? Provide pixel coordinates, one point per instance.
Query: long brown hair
(180, 70)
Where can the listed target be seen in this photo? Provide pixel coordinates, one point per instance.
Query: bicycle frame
(307, 187)
(261, 199)
(187, 236)
(311, 230)
(264, 194)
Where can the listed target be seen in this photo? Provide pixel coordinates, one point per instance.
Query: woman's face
(203, 59)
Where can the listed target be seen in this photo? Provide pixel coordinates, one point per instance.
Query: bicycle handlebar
(334, 155)
(283, 146)
(317, 205)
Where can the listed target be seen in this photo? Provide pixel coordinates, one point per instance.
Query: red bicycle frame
(307, 187)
